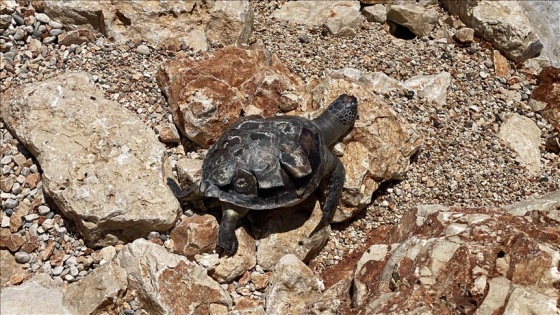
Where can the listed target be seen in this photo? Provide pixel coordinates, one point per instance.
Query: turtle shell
(265, 163)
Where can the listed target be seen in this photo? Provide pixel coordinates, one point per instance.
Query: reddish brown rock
(548, 92)
(207, 96)
(195, 235)
(48, 251)
(75, 37)
(30, 245)
(501, 65)
(16, 219)
(10, 241)
(441, 259)
(32, 180)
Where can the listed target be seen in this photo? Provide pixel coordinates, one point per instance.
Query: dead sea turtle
(260, 164)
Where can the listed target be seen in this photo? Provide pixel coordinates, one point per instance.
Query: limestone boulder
(419, 20)
(168, 283)
(524, 136)
(475, 259)
(548, 92)
(543, 16)
(195, 24)
(102, 166)
(341, 18)
(232, 267)
(502, 23)
(288, 231)
(100, 291)
(375, 13)
(195, 235)
(378, 148)
(35, 297)
(292, 287)
(209, 95)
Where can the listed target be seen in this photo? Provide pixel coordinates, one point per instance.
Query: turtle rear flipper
(190, 193)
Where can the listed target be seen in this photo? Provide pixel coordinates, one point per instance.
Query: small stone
(43, 210)
(465, 35)
(57, 271)
(55, 25)
(49, 40)
(55, 32)
(74, 271)
(11, 203)
(143, 50)
(43, 18)
(20, 33)
(22, 257)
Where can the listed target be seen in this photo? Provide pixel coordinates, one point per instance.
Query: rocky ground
(463, 162)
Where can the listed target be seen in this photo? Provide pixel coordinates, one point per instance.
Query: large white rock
(501, 22)
(417, 19)
(342, 18)
(101, 290)
(168, 283)
(196, 24)
(37, 296)
(524, 137)
(292, 287)
(102, 166)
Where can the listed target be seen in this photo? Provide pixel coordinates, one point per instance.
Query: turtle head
(345, 108)
(338, 118)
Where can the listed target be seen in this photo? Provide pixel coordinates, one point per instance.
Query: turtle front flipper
(334, 191)
(226, 236)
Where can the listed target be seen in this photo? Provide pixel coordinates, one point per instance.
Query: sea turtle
(267, 163)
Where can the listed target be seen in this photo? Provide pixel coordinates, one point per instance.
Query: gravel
(463, 162)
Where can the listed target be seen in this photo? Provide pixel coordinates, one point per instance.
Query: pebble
(43, 18)
(11, 203)
(22, 257)
(57, 271)
(55, 25)
(143, 50)
(43, 210)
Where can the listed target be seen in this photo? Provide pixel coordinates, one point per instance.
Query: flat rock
(288, 231)
(379, 146)
(292, 287)
(208, 95)
(432, 87)
(417, 19)
(196, 24)
(488, 253)
(342, 18)
(10, 267)
(502, 23)
(169, 283)
(100, 291)
(195, 235)
(102, 166)
(524, 137)
(45, 295)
